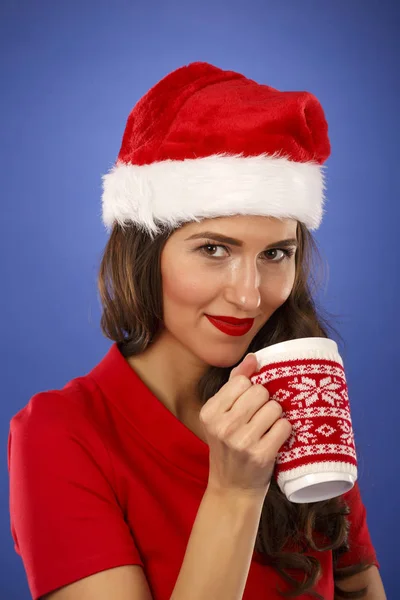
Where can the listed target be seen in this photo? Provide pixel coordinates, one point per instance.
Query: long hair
(130, 287)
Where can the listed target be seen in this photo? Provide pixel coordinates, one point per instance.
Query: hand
(244, 430)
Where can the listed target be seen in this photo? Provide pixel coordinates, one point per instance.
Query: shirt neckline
(148, 415)
(151, 419)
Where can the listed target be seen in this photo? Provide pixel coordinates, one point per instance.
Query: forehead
(242, 226)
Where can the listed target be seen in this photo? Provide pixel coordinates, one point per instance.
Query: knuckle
(243, 442)
(259, 457)
(227, 426)
(202, 415)
(278, 406)
(260, 390)
(223, 429)
(286, 426)
(242, 381)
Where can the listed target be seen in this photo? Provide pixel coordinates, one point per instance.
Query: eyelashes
(287, 252)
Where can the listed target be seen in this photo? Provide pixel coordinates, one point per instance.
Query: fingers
(274, 438)
(247, 367)
(237, 384)
(225, 398)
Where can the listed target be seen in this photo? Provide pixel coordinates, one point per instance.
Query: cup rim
(310, 487)
(309, 344)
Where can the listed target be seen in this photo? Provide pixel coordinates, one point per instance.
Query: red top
(102, 474)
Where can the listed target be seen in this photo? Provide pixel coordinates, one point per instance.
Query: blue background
(70, 74)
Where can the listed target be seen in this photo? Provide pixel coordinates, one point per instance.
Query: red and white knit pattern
(314, 397)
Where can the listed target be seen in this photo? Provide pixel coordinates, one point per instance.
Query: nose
(242, 286)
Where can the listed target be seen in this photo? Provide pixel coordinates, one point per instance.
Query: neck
(171, 374)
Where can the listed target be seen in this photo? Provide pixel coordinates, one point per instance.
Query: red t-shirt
(102, 474)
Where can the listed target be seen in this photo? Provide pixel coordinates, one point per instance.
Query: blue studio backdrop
(70, 74)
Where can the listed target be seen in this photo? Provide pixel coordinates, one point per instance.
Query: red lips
(235, 329)
(233, 320)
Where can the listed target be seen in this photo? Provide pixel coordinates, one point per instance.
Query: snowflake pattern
(310, 391)
(348, 434)
(315, 399)
(326, 430)
(301, 433)
(347, 453)
(281, 395)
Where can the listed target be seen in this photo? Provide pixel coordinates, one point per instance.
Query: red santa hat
(204, 142)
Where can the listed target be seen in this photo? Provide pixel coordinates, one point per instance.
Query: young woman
(151, 476)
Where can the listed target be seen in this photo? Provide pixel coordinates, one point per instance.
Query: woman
(120, 485)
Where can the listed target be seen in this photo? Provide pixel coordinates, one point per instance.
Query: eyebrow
(218, 237)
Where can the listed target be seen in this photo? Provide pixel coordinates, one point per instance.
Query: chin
(225, 363)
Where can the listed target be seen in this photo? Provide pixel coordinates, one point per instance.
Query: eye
(286, 252)
(207, 250)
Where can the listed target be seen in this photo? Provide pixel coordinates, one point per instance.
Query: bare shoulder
(121, 583)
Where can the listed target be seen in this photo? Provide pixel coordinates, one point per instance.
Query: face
(207, 276)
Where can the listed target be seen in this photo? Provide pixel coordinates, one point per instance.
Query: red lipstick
(230, 325)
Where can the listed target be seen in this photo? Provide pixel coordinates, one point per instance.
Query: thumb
(247, 367)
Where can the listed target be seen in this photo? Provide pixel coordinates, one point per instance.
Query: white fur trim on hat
(177, 191)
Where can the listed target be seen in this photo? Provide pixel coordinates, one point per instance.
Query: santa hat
(204, 142)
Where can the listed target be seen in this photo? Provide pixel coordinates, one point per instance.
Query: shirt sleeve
(361, 547)
(65, 518)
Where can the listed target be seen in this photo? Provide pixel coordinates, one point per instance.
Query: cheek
(278, 287)
(286, 289)
(181, 287)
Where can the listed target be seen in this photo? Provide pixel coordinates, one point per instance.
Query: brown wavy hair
(130, 287)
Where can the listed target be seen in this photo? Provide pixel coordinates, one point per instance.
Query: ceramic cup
(306, 376)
